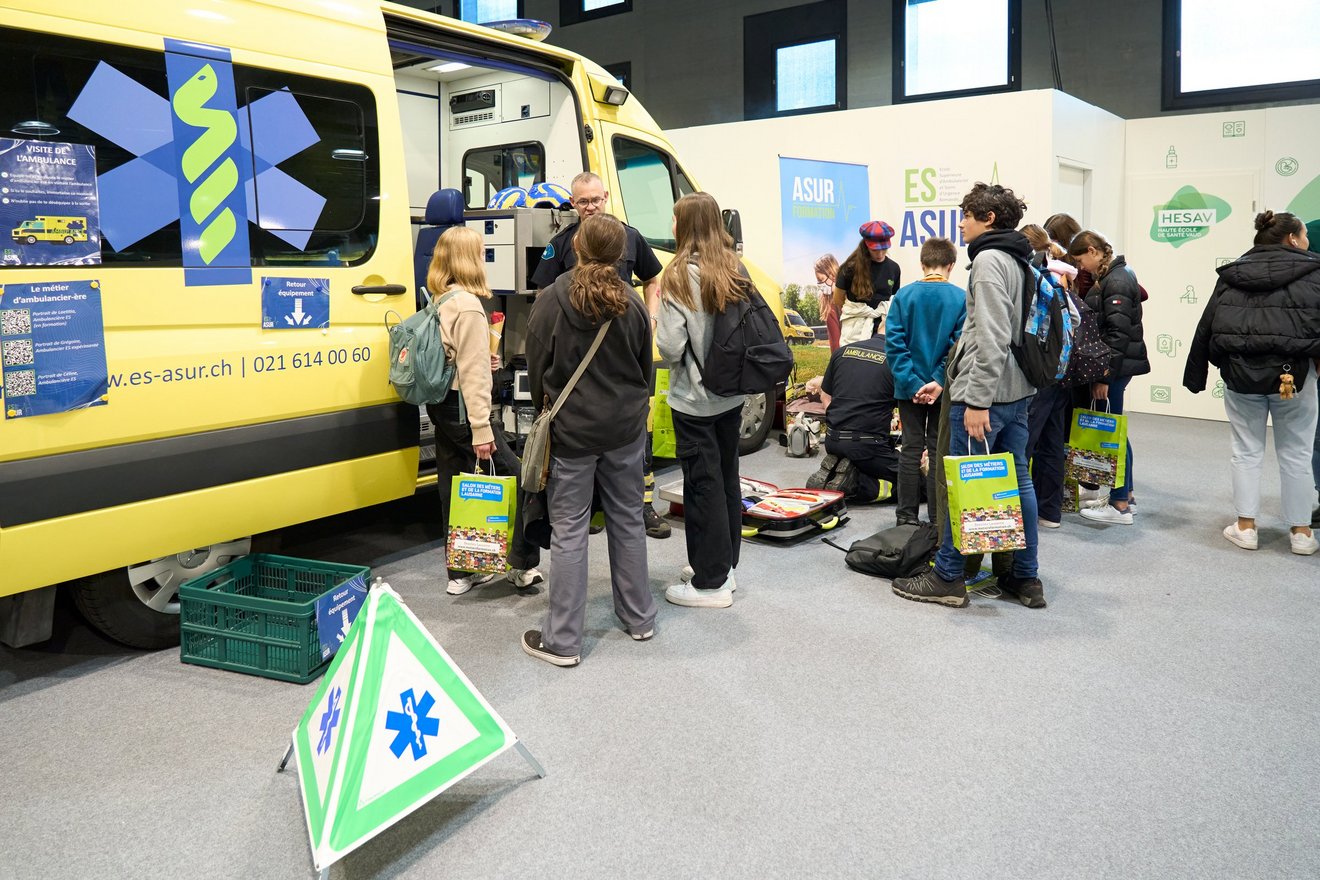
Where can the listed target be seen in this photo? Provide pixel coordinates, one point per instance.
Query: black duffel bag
(901, 551)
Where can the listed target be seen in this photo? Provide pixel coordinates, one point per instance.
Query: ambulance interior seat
(444, 210)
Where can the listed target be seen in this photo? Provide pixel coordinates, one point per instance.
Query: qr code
(17, 352)
(20, 383)
(15, 321)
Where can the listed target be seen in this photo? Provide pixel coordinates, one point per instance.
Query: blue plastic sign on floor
(393, 724)
(49, 212)
(336, 611)
(52, 347)
(295, 303)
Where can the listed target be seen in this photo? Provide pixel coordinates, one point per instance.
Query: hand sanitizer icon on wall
(1171, 158)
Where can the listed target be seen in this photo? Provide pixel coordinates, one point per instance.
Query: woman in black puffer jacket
(1116, 300)
(1262, 329)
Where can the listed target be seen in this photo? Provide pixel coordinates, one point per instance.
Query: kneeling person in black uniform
(862, 461)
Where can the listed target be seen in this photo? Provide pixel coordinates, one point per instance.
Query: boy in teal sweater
(924, 323)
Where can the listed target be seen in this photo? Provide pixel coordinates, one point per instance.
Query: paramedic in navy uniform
(590, 197)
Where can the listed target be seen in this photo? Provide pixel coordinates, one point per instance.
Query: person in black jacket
(1261, 327)
(597, 438)
(1115, 299)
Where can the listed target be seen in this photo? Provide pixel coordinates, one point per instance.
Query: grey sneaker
(930, 587)
(524, 577)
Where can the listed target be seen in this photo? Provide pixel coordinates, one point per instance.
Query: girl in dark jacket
(1116, 300)
(1262, 329)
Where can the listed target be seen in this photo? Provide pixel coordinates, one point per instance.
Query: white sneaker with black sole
(459, 586)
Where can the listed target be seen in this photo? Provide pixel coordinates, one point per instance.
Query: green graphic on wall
(1306, 204)
(1187, 216)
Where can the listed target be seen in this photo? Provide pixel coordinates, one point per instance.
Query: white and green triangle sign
(393, 724)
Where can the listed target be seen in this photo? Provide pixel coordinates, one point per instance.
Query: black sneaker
(655, 526)
(531, 644)
(930, 587)
(824, 473)
(1028, 591)
(1315, 517)
(844, 478)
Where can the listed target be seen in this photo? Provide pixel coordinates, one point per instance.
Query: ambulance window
(115, 90)
(317, 166)
(647, 190)
(487, 170)
(685, 187)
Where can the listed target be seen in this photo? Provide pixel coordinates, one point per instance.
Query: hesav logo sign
(1189, 215)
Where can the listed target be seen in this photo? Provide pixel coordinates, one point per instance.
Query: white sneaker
(459, 586)
(688, 595)
(1048, 523)
(687, 574)
(1244, 538)
(1108, 514)
(524, 577)
(1087, 497)
(1303, 545)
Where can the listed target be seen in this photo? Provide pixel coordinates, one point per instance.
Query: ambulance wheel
(68, 239)
(757, 414)
(31, 239)
(139, 605)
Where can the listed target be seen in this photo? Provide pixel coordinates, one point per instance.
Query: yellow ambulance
(262, 173)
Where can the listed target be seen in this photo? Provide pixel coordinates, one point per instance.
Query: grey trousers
(617, 477)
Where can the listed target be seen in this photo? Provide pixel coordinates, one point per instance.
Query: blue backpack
(1047, 329)
(420, 371)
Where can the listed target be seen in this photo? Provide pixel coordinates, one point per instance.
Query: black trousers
(920, 431)
(707, 450)
(874, 460)
(1047, 438)
(454, 456)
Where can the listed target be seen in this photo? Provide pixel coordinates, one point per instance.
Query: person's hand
(977, 423)
(494, 363)
(484, 450)
(928, 393)
(1099, 391)
(814, 383)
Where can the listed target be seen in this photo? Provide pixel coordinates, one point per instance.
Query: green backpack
(420, 371)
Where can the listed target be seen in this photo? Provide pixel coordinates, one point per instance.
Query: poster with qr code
(52, 348)
(49, 208)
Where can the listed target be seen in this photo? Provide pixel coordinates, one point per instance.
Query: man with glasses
(590, 197)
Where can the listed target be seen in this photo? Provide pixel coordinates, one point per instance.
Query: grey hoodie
(680, 332)
(982, 365)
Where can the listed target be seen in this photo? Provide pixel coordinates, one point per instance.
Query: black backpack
(748, 354)
(1090, 353)
(901, 551)
(1047, 331)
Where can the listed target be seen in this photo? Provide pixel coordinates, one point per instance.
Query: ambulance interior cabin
(479, 130)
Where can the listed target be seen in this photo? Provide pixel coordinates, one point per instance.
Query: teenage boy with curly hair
(988, 393)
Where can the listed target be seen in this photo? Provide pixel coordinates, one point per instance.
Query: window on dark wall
(578, 11)
(795, 60)
(621, 72)
(947, 48)
(482, 11)
(1215, 54)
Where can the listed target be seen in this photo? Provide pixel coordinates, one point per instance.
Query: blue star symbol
(414, 724)
(141, 196)
(329, 720)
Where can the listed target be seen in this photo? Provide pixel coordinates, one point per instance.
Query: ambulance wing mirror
(733, 225)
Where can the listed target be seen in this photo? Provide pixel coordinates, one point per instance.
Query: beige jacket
(465, 330)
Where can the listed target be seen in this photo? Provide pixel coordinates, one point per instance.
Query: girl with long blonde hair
(465, 432)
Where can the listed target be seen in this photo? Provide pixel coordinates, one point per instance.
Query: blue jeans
(1008, 433)
(1117, 389)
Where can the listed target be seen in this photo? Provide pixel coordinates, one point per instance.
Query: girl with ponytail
(1115, 299)
(597, 438)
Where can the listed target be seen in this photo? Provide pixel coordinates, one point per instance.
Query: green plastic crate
(258, 615)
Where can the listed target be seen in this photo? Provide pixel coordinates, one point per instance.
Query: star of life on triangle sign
(393, 724)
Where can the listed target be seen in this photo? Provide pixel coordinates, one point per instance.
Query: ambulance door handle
(386, 289)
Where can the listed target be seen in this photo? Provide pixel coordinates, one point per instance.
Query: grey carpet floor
(1158, 720)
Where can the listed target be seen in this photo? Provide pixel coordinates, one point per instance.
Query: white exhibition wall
(1058, 154)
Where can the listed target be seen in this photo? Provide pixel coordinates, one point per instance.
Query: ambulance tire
(119, 609)
(31, 239)
(68, 239)
(758, 413)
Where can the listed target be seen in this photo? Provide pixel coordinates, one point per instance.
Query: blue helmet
(509, 197)
(549, 195)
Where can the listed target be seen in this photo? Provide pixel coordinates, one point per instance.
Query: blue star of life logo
(329, 719)
(414, 724)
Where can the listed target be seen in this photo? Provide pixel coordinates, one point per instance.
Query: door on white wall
(1072, 192)
(1180, 227)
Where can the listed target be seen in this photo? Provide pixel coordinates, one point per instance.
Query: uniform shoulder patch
(548, 253)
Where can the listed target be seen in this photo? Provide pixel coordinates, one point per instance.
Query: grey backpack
(420, 371)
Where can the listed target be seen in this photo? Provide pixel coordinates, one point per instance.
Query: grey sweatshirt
(679, 332)
(983, 368)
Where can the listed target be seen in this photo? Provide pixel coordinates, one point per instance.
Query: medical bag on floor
(752, 490)
(793, 513)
